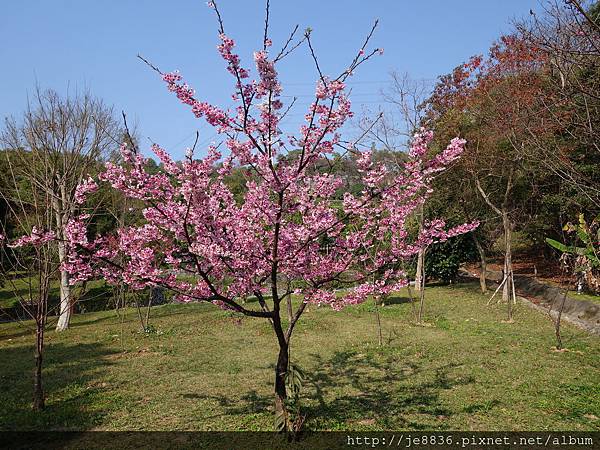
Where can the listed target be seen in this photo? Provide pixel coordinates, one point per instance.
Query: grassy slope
(18, 289)
(573, 294)
(205, 370)
(589, 297)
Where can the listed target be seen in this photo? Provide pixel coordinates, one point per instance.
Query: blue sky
(70, 44)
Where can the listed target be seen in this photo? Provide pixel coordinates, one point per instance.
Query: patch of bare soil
(531, 264)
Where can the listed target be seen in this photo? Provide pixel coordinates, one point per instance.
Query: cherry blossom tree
(288, 236)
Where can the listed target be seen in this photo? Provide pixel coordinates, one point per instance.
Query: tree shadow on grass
(157, 312)
(351, 389)
(249, 403)
(379, 390)
(398, 300)
(72, 381)
(111, 318)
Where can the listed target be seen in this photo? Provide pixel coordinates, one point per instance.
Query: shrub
(443, 260)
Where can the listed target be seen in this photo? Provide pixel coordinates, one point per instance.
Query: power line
(350, 83)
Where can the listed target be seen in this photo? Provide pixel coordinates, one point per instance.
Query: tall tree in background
(568, 34)
(58, 143)
(489, 102)
(408, 95)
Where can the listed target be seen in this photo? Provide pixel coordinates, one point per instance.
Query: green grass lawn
(206, 370)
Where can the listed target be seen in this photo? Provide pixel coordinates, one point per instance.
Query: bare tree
(58, 142)
(503, 211)
(29, 265)
(391, 129)
(394, 129)
(407, 96)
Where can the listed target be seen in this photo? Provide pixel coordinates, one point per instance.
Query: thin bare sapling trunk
(412, 303)
(35, 265)
(419, 276)
(378, 318)
(419, 273)
(421, 284)
(483, 259)
(41, 315)
(559, 344)
(508, 288)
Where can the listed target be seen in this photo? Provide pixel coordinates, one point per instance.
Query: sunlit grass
(205, 369)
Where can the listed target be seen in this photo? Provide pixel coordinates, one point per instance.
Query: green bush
(443, 260)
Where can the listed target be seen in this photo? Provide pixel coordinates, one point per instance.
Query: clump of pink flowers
(290, 229)
(36, 238)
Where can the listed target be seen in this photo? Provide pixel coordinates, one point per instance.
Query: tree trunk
(421, 303)
(280, 373)
(66, 307)
(61, 218)
(482, 275)
(412, 302)
(508, 269)
(38, 390)
(289, 308)
(420, 283)
(379, 330)
(507, 280)
(419, 276)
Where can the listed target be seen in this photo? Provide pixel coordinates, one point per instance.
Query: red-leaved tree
(289, 236)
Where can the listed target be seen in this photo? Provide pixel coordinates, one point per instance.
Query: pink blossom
(289, 221)
(267, 74)
(36, 238)
(85, 188)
